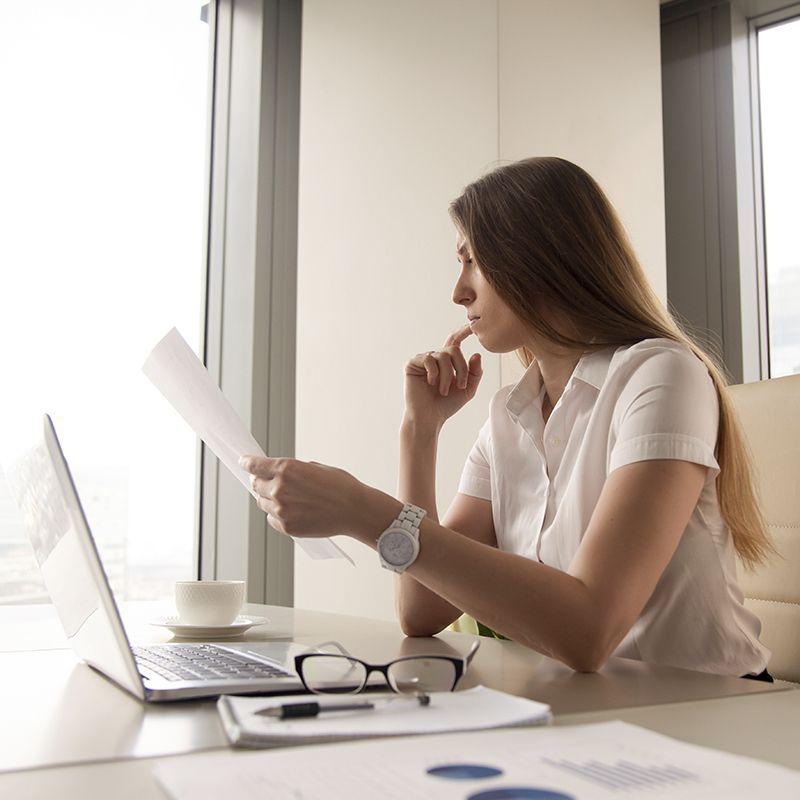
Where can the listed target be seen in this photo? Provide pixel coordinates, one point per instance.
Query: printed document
(574, 762)
(182, 378)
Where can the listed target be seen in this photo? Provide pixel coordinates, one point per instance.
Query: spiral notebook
(473, 709)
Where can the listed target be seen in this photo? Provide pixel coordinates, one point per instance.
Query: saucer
(178, 628)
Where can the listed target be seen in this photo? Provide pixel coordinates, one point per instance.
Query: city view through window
(103, 201)
(779, 74)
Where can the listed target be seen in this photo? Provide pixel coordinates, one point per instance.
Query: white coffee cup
(209, 602)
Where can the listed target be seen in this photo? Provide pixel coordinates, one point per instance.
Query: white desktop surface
(67, 731)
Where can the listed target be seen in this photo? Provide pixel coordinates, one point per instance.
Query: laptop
(43, 488)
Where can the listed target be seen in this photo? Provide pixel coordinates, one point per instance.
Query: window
(105, 173)
(778, 80)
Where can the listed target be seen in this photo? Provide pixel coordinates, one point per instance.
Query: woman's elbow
(410, 628)
(413, 625)
(587, 663)
(589, 656)
(414, 622)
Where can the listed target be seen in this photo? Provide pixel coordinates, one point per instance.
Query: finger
(275, 523)
(416, 365)
(261, 486)
(266, 504)
(459, 364)
(259, 465)
(458, 335)
(431, 367)
(445, 372)
(475, 372)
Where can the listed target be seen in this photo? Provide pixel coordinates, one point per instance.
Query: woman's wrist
(373, 512)
(417, 428)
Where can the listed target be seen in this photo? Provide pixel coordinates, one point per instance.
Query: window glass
(102, 204)
(779, 77)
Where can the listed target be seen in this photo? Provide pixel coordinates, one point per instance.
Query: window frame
(249, 334)
(756, 24)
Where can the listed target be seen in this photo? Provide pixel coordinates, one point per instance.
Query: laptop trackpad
(281, 653)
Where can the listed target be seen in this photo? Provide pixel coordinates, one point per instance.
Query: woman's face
(497, 327)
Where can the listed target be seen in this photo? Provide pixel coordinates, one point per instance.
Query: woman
(601, 506)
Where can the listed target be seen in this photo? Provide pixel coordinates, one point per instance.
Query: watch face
(397, 548)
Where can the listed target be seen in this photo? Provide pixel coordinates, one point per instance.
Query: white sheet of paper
(574, 762)
(182, 378)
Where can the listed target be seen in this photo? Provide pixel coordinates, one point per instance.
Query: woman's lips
(473, 321)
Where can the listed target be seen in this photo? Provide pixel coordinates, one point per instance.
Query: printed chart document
(182, 378)
(576, 762)
(478, 708)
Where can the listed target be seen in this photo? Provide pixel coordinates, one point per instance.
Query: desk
(61, 718)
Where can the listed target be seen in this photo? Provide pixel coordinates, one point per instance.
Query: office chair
(769, 413)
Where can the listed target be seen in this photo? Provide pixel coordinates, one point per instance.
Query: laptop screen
(42, 486)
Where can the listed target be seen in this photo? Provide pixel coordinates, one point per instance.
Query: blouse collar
(592, 369)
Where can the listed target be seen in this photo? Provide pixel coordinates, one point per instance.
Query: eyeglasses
(323, 673)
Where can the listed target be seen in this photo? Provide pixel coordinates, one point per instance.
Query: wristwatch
(398, 545)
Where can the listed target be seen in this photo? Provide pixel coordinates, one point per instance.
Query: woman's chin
(495, 347)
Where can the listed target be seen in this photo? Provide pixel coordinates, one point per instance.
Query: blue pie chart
(464, 772)
(520, 793)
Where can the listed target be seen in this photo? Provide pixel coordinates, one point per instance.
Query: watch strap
(410, 518)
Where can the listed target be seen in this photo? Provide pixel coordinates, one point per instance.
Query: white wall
(398, 111)
(584, 82)
(403, 104)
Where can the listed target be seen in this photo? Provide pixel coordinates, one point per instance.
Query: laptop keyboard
(190, 662)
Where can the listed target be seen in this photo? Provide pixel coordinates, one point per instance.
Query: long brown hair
(541, 230)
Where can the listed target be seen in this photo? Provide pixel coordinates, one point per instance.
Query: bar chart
(623, 774)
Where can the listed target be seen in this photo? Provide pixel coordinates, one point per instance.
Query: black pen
(313, 709)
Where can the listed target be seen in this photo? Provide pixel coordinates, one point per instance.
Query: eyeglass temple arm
(471, 653)
(315, 648)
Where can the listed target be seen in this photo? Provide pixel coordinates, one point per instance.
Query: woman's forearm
(534, 604)
(420, 610)
(529, 602)
(417, 476)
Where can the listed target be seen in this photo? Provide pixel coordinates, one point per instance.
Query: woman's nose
(459, 299)
(462, 295)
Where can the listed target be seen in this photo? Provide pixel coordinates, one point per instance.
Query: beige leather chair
(769, 412)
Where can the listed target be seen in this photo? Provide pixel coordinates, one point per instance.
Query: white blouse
(654, 399)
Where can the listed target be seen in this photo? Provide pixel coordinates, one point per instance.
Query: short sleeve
(475, 477)
(667, 409)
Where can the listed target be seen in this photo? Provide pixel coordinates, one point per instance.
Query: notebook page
(471, 709)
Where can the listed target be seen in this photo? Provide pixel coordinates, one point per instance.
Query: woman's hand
(304, 498)
(440, 382)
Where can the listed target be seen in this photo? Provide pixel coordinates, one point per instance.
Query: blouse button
(554, 440)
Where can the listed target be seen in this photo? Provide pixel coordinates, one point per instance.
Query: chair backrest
(769, 412)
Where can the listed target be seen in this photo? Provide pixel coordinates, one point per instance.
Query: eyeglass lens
(422, 674)
(338, 674)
